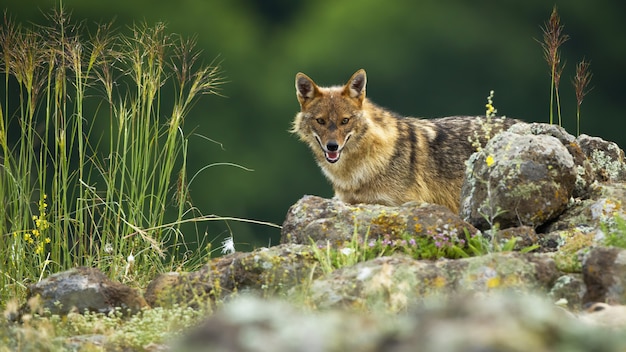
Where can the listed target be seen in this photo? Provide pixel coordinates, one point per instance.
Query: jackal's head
(328, 116)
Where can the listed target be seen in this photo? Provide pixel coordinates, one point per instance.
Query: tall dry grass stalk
(553, 38)
(581, 86)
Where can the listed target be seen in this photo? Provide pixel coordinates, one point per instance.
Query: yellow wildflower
(493, 282)
(489, 160)
(29, 238)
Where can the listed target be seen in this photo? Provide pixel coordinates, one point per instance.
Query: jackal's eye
(320, 121)
(345, 121)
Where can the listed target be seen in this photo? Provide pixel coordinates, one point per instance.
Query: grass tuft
(75, 193)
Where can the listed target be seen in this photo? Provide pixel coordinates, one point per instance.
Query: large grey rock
(518, 179)
(585, 176)
(318, 220)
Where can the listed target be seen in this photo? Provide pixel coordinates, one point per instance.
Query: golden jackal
(371, 155)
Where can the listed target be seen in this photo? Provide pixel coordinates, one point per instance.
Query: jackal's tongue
(332, 156)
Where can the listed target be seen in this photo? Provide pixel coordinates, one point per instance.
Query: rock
(525, 236)
(503, 322)
(317, 220)
(604, 272)
(585, 175)
(518, 179)
(253, 324)
(85, 289)
(590, 215)
(606, 158)
(265, 271)
(157, 291)
(495, 322)
(571, 288)
(399, 282)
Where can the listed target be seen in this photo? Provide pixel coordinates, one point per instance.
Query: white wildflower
(130, 261)
(228, 246)
(347, 251)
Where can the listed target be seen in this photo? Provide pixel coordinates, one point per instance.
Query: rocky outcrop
(557, 195)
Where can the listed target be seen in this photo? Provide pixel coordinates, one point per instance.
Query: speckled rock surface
(493, 322)
(405, 281)
(320, 220)
(85, 289)
(606, 158)
(604, 272)
(518, 180)
(265, 271)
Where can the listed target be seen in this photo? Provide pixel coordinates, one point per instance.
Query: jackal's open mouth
(332, 157)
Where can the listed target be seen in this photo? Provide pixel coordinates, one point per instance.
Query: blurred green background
(423, 58)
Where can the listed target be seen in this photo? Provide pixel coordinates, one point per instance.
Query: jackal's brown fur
(371, 155)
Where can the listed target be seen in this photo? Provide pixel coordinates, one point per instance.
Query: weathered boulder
(318, 220)
(85, 289)
(585, 175)
(493, 322)
(265, 271)
(520, 179)
(606, 158)
(399, 281)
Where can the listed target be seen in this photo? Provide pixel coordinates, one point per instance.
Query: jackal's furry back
(371, 155)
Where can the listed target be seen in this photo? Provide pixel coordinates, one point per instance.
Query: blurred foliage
(426, 58)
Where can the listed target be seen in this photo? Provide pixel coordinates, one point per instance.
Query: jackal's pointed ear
(306, 89)
(355, 87)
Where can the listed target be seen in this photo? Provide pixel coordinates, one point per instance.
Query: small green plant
(440, 242)
(489, 126)
(614, 230)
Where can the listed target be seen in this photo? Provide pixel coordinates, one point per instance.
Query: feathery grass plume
(581, 82)
(553, 38)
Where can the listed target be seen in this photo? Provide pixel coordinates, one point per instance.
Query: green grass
(74, 193)
(614, 229)
(440, 243)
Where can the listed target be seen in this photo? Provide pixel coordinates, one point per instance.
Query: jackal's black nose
(332, 146)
